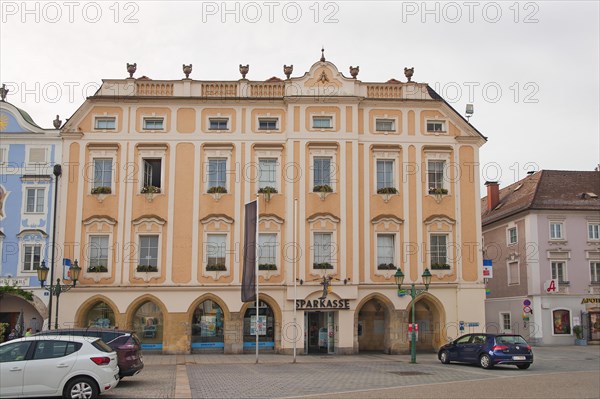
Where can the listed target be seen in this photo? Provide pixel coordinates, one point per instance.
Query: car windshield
(510, 339)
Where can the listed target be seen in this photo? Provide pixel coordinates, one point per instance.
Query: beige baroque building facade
(153, 191)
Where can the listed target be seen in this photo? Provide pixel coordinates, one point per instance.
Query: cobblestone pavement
(372, 376)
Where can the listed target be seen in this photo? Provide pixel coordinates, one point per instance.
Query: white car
(50, 365)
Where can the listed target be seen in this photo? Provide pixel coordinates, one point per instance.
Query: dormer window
(153, 123)
(436, 126)
(218, 124)
(384, 125)
(322, 122)
(267, 124)
(105, 123)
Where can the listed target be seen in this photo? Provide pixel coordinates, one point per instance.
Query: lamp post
(57, 288)
(414, 292)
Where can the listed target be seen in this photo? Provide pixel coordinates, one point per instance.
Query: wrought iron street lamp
(414, 292)
(57, 288)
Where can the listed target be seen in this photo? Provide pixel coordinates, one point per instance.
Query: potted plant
(438, 191)
(150, 190)
(322, 265)
(97, 269)
(387, 192)
(267, 266)
(386, 266)
(220, 267)
(579, 339)
(101, 190)
(323, 190)
(146, 268)
(440, 266)
(267, 191)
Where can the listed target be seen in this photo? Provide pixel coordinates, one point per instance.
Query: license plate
(518, 357)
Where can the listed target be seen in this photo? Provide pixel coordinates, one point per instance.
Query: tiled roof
(547, 189)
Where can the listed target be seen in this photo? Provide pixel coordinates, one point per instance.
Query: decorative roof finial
(187, 69)
(131, 68)
(288, 69)
(408, 72)
(322, 54)
(244, 69)
(3, 92)
(57, 123)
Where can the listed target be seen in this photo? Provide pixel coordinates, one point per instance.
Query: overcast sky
(529, 68)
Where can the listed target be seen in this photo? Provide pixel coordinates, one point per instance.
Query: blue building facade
(27, 156)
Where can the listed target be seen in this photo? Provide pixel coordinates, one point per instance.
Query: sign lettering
(303, 304)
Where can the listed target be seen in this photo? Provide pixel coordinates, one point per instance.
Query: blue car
(488, 350)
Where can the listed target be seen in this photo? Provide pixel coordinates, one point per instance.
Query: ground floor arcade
(348, 320)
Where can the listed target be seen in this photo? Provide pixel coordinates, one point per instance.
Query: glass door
(331, 327)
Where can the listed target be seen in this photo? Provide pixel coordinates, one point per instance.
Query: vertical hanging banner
(249, 271)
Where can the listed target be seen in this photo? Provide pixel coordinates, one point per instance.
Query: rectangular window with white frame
(505, 321)
(267, 173)
(98, 253)
(386, 250)
(105, 123)
(384, 125)
(436, 126)
(267, 251)
(35, 200)
(322, 122)
(593, 231)
(435, 174)
(322, 172)
(513, 273)
(512, 236)
(102, 173)
(322, 250)
(152, 173)
(154, 123)
(595, 272)
(559, 272)
(556, 231)
(385, 174)
(218, 123)
(216, 251)
(439, 251)
(268, 124)
(32, 257)
(217, 173)
(148, 252)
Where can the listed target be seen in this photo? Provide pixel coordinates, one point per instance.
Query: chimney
(493, 194)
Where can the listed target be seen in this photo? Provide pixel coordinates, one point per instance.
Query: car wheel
(81, 388)
(486, 362)
(523, 366)
(445, 357)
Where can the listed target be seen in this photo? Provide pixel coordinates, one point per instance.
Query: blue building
(27, 156)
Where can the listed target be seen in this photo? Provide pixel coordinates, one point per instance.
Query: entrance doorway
(320, 332)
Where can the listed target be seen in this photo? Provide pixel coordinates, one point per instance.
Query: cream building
(153, 191)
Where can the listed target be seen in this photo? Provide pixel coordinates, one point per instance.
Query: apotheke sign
(302, 304)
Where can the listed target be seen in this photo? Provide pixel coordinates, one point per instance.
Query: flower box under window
(267, 190)
(387, 190)
(97, 269)
(323, 188)
(101, 190)
(442, 191)
(267, 266)
(217, 190)
(322, 265)
(216, 268)
(386, 266)
(147, 268)
(150, 190)
(440, 266)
